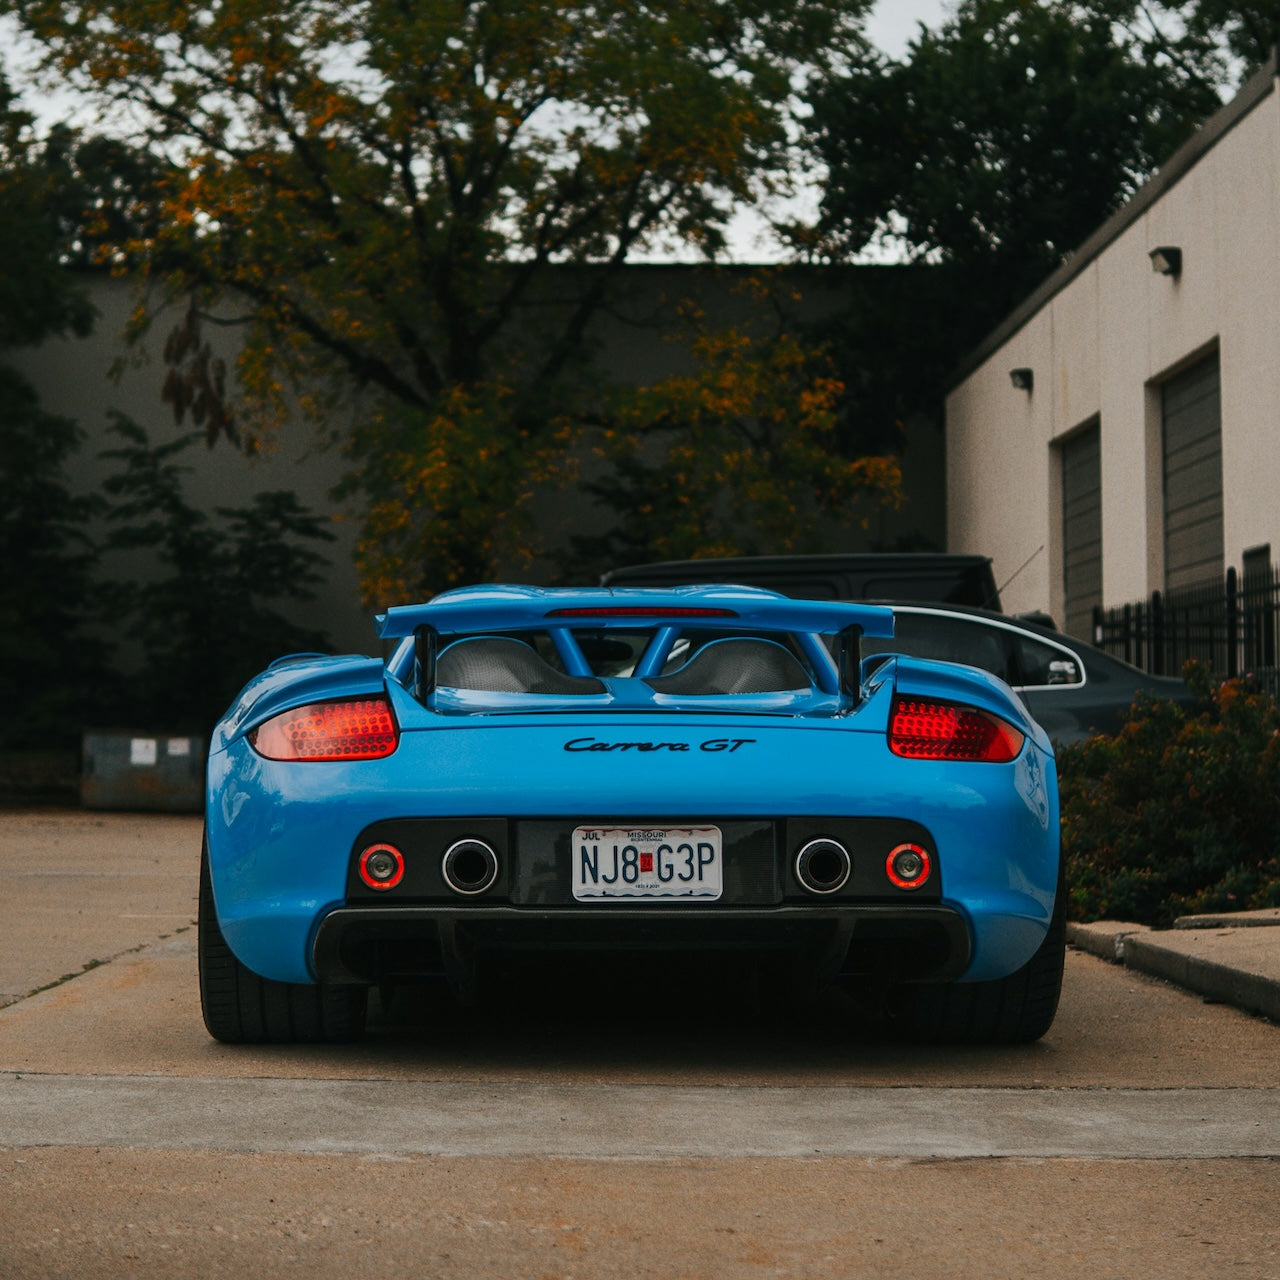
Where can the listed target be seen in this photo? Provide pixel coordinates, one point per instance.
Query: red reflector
(908, 866)
(641, 611)
(382, 866)
(947, 731)
(357, 729)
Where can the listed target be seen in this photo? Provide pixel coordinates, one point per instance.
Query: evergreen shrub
(1179, 813)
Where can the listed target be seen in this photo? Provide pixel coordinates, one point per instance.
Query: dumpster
(142, 771)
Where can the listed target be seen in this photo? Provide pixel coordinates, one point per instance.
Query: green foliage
(388, 195)
(1001, 141)
(739, 457)
(1202, 38)
(210, 621)
(1006, 138)
(38, 296)
(53, 667)
(1180, 812)
(446, 492)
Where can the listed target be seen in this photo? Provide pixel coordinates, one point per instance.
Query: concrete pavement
(1233, 958)
(81, 889)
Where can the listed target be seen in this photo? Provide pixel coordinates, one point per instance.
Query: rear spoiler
(515, 608)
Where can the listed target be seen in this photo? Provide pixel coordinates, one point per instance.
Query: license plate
(653, 863)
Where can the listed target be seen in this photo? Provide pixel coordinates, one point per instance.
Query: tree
(37, 296)
(994, 149)
(1216, 42)
(210, 619)
(52, 667)
(739, 457)
(1009, 135)
(379, 189)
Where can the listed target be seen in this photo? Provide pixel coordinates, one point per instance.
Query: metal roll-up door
(1082, 529)
(1192, 417)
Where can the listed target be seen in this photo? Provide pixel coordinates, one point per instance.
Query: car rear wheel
(1013, 1010)
(240, 1007)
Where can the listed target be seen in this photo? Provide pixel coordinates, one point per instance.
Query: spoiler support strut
(425, 644)
(850, 662)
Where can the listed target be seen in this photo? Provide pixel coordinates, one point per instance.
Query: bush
(53, 668)
(1179, 813)
(210, 618)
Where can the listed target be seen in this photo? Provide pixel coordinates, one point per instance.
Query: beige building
(1119, 433)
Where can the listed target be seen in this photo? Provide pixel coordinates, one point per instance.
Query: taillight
(355, 729)
(924, 730)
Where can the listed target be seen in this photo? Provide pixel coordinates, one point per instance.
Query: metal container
(142, 771)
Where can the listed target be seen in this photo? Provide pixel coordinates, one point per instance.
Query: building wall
(1100, 337)
(73, 377)
(633, 341)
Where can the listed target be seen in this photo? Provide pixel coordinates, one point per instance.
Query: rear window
(949, 639)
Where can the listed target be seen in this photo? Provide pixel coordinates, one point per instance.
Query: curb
(1226, 959)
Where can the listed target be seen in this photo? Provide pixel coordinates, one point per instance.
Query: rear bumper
(388, 944)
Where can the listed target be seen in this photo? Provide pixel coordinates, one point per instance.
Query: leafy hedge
(1179, 813)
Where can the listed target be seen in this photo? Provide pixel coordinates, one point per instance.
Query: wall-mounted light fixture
(1023, 379)
(1166, 260)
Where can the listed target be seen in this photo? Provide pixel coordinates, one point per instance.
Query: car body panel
(282, 835)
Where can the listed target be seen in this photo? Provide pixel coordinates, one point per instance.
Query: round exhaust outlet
(469, 867)
(823, 866)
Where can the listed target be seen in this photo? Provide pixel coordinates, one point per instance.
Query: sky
(890, 25)
(893, 22)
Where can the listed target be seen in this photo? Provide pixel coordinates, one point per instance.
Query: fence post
(1233, 626)
(1269, 620)
(1157, 634)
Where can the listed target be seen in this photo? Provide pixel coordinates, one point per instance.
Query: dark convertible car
(1072, 689)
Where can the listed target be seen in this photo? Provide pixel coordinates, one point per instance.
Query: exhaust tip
(469, 867)
(823, 866)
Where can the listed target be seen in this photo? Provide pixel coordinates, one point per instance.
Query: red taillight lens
(947, 731)
(357, 729)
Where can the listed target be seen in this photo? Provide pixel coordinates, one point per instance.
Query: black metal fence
(1231, 625)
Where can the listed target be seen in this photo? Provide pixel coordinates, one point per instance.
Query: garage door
(1192, 413)
(1082, 529)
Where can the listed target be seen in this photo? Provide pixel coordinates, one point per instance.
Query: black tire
(1013, 1010)
(240, 1007)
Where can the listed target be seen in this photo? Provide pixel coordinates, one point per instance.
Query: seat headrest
(736, 665)
(500, 664)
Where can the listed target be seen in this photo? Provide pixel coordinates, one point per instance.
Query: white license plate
(654, 863)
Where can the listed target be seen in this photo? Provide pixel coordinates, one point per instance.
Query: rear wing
(516, 608)
(559, 611)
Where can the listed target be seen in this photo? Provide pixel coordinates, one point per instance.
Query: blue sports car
(686, 770)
